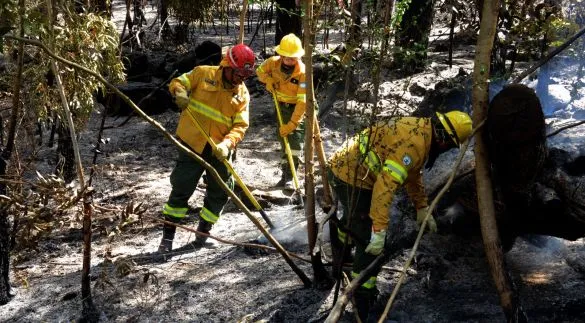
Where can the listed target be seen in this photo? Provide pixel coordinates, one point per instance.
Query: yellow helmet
(457, 124)
(290, 46)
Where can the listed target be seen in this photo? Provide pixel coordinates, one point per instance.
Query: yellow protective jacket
(291, 88)
(222, 113)
(382, 158)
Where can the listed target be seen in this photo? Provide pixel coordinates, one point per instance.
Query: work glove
(222, 150)
(286, 129)
(271, 85)
(181, 99)
(420, 216)
(376, 245)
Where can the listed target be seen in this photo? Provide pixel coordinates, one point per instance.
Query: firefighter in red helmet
(218, 99)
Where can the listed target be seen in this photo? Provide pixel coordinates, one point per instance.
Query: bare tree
(489, 229)
(5, 155)
(288, 19)
(412, 36)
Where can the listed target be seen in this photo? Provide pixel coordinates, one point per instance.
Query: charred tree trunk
(412, 36)
(163, 11)
(288, 20)
(517, 145)
(65, 155)
(452, 33)
(537, 190)
(4, 240)
(541, 191)
(4, 246)
(5, 155)
(321, 278)
(101, 7)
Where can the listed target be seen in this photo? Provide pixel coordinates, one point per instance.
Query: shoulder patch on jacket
(238, 98)
(406, 160)
(210, 81)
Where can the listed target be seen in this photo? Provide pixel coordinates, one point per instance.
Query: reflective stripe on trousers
(208, 216)
(174, 212)
(368, 284)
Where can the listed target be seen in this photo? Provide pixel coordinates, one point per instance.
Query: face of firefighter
(289, 61)
(236, 76)
(233, 76)
(444, 142)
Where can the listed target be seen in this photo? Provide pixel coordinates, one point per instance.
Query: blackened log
(517, 143)
(538, 190)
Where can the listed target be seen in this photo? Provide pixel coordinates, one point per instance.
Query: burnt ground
(448, 282)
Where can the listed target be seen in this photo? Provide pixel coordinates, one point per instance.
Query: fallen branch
(556, 132)
(230, 242)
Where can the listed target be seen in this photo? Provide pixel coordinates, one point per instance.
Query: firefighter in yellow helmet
(284, 76)
(217, 98)
(365, 173)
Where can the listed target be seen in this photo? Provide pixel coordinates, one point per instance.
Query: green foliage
(88, 40)
(191, 11)
(8, 12)
(7, 18)
(401, 7)
(542, 26)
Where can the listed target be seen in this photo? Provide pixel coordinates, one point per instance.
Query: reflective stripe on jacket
(222, 113)
(291, 88)
(384, 157)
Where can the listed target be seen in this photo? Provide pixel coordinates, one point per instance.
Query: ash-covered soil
(448, 282)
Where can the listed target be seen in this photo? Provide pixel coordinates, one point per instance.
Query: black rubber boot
(336, 250)
(341, 254)
(166, 244)
(204, 227)
(286, 175)
(363, 303)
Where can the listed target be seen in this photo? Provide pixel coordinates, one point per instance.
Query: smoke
(559, 84)
(454, 211)
(291, 227)
(547, 245)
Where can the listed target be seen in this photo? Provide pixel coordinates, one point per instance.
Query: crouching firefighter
(216, 98)
(365, 173)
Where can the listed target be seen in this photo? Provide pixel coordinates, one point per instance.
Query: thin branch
(549, 56)
(565, 128)
(230, 242)
(70, 124)
(355, 283)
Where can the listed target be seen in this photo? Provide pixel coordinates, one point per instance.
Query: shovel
(231, 169)
(289, 157)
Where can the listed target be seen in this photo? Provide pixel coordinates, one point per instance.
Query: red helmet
(241, 58)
